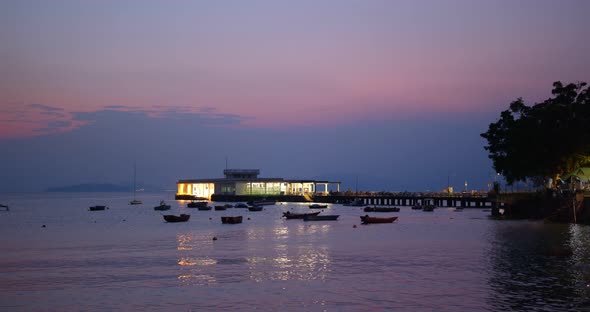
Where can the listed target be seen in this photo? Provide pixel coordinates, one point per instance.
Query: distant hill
(92, 187)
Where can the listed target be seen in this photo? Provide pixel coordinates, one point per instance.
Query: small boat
(458, 208)
(135, 202)
(321, 218)
(428, 208)
(317, 206)
(417, 207)
(381, 209)
(220, 208)
(162, 206)
(255, 208)
(5, 207)
(355, 203)
(98, 208)
(231, 220)
(204, 208)
(173, 218)
(288, 215)
(262, 203)
(241, 205)
(367, 220)
(197, 204)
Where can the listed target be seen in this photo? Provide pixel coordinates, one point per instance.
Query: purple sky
(395, 92)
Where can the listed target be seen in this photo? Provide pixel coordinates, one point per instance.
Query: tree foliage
(543, 140)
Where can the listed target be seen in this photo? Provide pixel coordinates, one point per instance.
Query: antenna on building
(226, 162)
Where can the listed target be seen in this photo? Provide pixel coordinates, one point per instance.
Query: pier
(403, 200)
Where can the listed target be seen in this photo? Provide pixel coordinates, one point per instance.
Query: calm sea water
(128, 258)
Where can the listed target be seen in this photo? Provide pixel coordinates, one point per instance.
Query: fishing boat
(162, 206)
(255, 208)
(197, 204)
(231, 220)
(98, 208)
(173, 218)
(367, 220)
(220, 207)
(357, 202)
(135, 201)
(321, 218)
(288, 215)
(317, 206)
(381, 209)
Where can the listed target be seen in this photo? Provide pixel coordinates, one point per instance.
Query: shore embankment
(551, 205)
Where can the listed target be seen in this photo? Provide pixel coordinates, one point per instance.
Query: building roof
(222, 180)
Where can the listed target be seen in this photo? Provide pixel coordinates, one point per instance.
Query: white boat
(135, 201)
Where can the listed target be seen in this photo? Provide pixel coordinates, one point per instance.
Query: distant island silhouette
(92, 187)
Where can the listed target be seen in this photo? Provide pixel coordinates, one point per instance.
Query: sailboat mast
(134, 178)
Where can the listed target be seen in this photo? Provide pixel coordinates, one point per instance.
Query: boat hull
(98, 208)
(162, 207)
(289, 215)
(370, 220)
(231, 220)
(381, 209)
(321, 218)
(197, 204)
(316, 206)
(173, 218)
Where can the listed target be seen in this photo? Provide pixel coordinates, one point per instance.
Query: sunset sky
(393, 92)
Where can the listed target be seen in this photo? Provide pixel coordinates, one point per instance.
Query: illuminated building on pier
(247, 182)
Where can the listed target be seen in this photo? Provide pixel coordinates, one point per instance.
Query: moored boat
(5, 207)
(255, 208)
(98, 208)
(321, 218)
(428, 208)
(288, 215)
(197, 204)
(367, 220)
(173, 218)
(220, 207)
(231, 220)
(262, 203)
(204, 208)
(357, 202)
(317, 206)
(241, 205)
(381, 209)
(162, 206)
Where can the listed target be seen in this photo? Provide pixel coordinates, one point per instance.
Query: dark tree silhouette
(547, 139)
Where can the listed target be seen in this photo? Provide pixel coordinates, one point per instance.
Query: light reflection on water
(443, 261)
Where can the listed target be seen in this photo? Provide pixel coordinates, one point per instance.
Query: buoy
(248, 218)
(209, 218)
(43, 225)
(354, 226)
(214, 238)
(124, 220)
